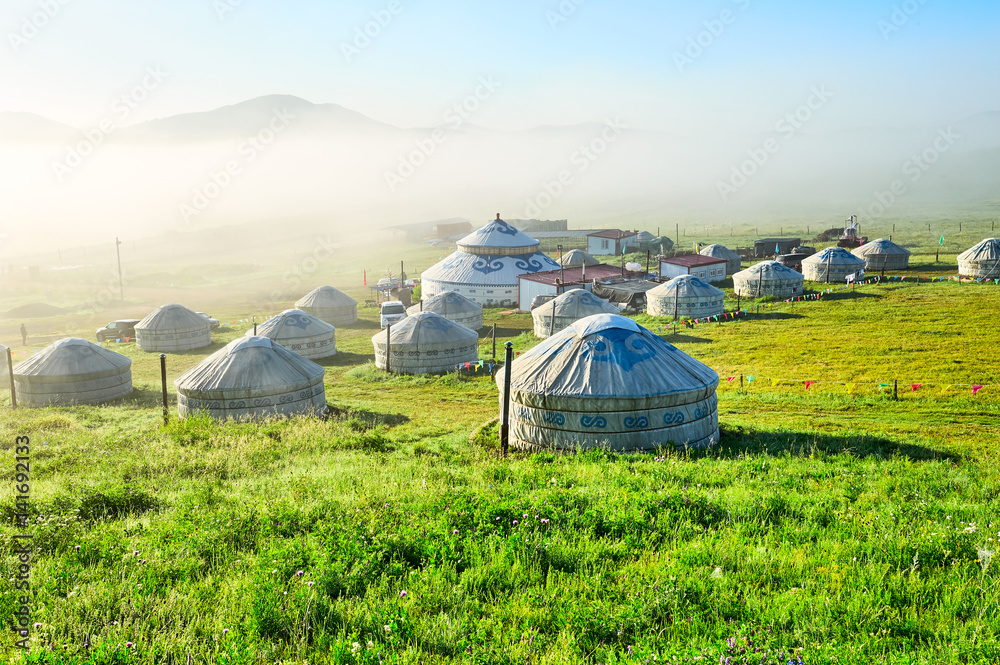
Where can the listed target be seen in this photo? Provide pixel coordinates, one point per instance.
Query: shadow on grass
(369, 419)
(362, 324)
(346, 359)
(743, 440)
(684, 338)
(850, 295)
(774, 316)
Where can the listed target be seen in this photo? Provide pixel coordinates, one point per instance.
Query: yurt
(564, 309)
(172, 328)
(300, 332)
(454, 307)
(72, 371)
(575, 258)
(768, 278)
(426, 343)
(486, 264)
(685, 296)
(883, 254)
(330, 305)
(252, 378)
(832, 264)
(734, 262)
(982, 261)
(607, 381)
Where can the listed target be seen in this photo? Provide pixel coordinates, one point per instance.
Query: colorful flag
(941, 241)
(364, 275)
(976, 389)
(809, 383)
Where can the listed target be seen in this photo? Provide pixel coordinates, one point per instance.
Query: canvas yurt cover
(427, 343)
(561, 311)
(685, 296)
(981, 261)
(768, 278)
(832, 264)
(575, 258)
(4, 374)
(330, 305)
(883, 254)
(72, 371)
(734, 262)
(607, 381)
(486, 264)
(172, 328)
(300, 332)
(454, 307)
(252, 378)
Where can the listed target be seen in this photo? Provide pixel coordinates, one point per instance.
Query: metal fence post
(505, 418)
(163, 385)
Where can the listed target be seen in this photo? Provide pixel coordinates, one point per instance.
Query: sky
(722, 67)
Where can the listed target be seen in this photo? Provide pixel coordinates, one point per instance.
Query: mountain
(16, 126)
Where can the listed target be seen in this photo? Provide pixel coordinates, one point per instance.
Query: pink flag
(730, 378)
(914, 386)
(809, 383)
(976, 389)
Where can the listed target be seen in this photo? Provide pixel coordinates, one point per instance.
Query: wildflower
(311, 583)
(454, 531)
(77, 548)
(525, 516)
(128, 645)
(515, 522)
(38, 625)
(225, 631)
(135, 553)
(402, 594)
(300, 573)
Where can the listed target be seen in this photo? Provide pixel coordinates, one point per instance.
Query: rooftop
(693, 260)
(575, 275)
(615, 234)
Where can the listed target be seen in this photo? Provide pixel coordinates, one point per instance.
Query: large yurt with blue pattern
(452, 306)
(426, 343)
(685, 296)
(252, 378)
(300, 332)
(573, 305)
(832, 264)
(486, 264)
(606, 381)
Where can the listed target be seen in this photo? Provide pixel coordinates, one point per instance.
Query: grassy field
(833, 524)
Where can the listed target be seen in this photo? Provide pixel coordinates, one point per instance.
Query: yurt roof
(448, 303)
(644, 236)
(834, 256)
(607, 355)
(577, 303)
(72, 356)
(464, 268)
(426, 328)
(172, 317)
(325, 296)
(720, 252)
(769, 270)
(880, 246)
(249, 363)
(577, 257)
(293, 323)
(497, 233)
(986, 250)
(686, 286)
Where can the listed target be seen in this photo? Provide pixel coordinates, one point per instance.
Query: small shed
(611, 241)
(709, 268)
(774, 246)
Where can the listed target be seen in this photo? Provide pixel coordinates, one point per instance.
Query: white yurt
(685, 296)
(982, 261)
(575, 258)
(734, 262)
(72, 371)
(427, 343)
(252, 378)
(883, 254)
(4, 374)
(486, 264)
(607, 381)
(454, 307)
(768, 278)
(172, 328)
(832, 264)
(300, 332)
(330, 305)
(564, 309)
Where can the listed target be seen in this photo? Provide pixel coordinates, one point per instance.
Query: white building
(709, 268)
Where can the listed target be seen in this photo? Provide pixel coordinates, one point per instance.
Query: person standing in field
(24, 335)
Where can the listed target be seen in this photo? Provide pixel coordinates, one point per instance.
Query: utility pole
(121, 287)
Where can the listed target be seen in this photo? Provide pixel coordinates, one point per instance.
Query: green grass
(843, 526)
